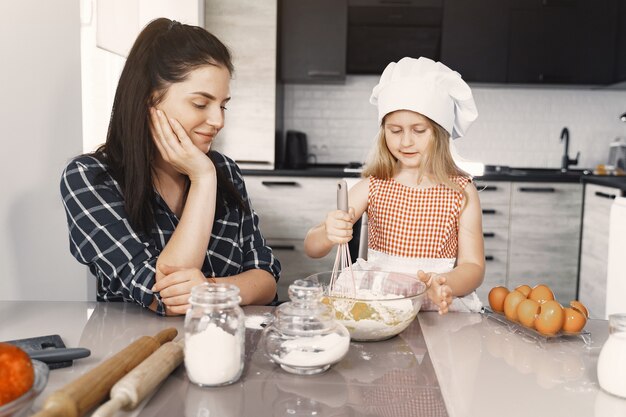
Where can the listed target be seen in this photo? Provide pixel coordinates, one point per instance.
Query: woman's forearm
(256, 286)
(188, 245)
(316, 244)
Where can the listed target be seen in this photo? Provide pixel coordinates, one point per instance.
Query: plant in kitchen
(424, 214)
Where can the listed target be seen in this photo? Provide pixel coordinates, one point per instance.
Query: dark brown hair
(165, 52)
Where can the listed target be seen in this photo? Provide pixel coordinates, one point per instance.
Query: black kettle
(296, 150)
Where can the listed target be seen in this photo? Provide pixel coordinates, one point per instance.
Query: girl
(153, 211)
(424, 213)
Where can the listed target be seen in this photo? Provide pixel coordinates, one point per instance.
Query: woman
(153, 211)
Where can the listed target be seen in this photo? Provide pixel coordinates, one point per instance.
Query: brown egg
(511, 302)
(527, 312)
(524, 289)
(574, 320)
(577, 305)
(541, 293)
(496, 298)
(550, 318)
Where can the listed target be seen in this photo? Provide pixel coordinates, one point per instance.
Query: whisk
(342, 282)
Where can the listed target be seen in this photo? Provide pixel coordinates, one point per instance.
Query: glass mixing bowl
(380, 305)
(21, 405)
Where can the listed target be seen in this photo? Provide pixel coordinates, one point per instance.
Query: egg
(541, 293)
(527, 312)
(573, 321)
(511, 302)
(550, 318)
(577, 305)
(496, 298)
(16, 372)
(524, 289)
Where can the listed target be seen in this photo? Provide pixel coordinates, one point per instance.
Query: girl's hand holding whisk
(438, 292)
(338, 226)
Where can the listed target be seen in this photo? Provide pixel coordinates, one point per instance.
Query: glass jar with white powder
(214, 335)
(304, 338)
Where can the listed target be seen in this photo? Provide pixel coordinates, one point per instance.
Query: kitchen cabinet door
(495, 199)
(474, 43)
(595, 248)
(313, 40)
(544, 236)
(287, 208)
(296, 264)
(562, 41)
(249, 130)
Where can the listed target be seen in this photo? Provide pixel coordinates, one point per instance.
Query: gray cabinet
(531, 232)
(544, 236)
(288, 207)
(313, 36)
(595, 248)
(495, 203)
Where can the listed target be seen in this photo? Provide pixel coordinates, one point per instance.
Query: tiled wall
(516, 126)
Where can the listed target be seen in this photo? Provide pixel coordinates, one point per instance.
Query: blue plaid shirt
(124, 260)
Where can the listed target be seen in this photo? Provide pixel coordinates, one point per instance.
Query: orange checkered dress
(414, 222)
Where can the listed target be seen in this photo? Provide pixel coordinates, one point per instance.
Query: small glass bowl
(379, 306)
(19, 406)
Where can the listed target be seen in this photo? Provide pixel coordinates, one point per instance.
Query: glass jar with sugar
(214, 335)
(304, 338)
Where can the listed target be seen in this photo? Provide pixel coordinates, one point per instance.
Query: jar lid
(305, 313)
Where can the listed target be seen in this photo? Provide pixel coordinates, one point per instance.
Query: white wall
(516, 126)
(40, 115)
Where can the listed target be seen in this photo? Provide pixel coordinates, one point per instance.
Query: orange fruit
(541, 293)
(511, 302)
(496, 298)
(16, 373)
(574, 320)
(550, 318)
(524, 289)
(527, 312)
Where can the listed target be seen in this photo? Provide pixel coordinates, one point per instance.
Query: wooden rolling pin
(90, 389)
(129, 391)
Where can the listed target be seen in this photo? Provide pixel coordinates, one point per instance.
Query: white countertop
(486, 370)
(459, 364)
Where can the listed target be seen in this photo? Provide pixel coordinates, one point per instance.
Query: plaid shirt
(124, 260)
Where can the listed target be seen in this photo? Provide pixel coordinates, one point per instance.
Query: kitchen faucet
(565, 160)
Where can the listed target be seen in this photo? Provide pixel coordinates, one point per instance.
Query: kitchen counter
(456, 365)
(608, 181)
(354, 171)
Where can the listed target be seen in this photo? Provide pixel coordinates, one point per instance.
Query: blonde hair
(437, 161)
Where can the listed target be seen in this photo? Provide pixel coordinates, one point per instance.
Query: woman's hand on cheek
(175, 287)
(438, 292)
(177, 149)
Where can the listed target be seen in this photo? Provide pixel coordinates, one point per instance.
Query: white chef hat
(429, 88)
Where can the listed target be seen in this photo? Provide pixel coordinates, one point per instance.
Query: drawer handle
(489, 211)
(280, 183)
(489, 234)
(605, 195)
(324, 74)
(281, 247)
(487, 188)
(488, 258)
(537, 189)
